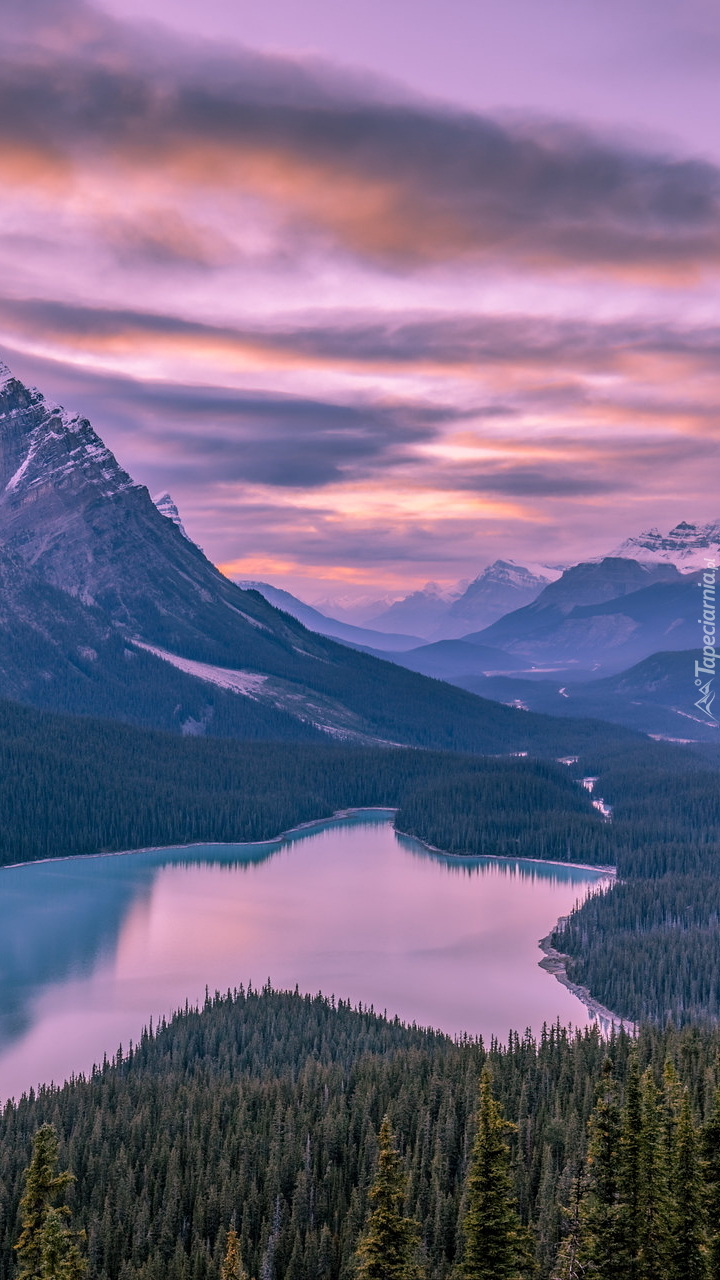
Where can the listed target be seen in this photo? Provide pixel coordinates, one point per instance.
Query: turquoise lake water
(92, 948)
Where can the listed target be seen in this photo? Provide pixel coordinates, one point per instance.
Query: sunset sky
(379, 292)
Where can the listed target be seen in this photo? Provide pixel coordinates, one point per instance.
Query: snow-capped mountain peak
(687, 546)
(508, 571)
(44, 445)
(167, 507)
(500, 588)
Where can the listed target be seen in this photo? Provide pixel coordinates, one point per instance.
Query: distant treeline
(75, 786)
(261, 1113)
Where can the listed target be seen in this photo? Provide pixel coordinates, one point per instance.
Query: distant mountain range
(504, 586)
(501, 587)
(108, 608)
(317, 621)
(608, 614)
(614, 639)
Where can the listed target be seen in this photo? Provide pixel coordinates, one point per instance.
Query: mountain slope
(59, 654)
(314, 620)
(501, 588)
(609, 614)
(80, 524)
(448, 659)
(656, 696)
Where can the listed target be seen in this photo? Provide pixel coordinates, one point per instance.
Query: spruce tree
(569, 1263)
(653, 1239)
(388, 1248)
(711, 1169)
(232, 1267)
(686, 1255)
(629, 1172)
(46, 1248)
(60, 1257)
(603, 1249)
(496, 1247)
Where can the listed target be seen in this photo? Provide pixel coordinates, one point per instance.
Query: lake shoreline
(610, 872)
(556, 962)
(339, 814)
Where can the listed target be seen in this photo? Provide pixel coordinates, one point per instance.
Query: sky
(379, 293)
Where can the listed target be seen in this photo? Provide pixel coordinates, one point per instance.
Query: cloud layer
(359, 334)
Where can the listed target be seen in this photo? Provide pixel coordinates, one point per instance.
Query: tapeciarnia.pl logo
(705, 671)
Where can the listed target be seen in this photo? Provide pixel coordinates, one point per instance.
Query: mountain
(421, 613)
(167, 507)
(451, 659)
(72, 520)
(609, 614)
(502, 587)
(60, 654)
(656, 696)
(688, 546)
(314, 620)
(437, 615)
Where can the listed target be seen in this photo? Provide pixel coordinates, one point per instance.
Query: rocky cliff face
(53, 470)
(69, 510)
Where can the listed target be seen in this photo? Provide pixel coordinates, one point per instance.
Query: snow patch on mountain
(248, 683)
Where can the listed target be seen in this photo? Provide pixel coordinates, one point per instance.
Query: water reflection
(90, 948)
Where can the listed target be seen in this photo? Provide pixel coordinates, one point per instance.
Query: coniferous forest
(272, 1136)
(287, 1136)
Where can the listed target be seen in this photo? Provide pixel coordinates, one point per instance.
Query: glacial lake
(92, 948)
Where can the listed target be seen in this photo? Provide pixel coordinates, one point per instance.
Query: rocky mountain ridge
(150, 629)
(688, 546)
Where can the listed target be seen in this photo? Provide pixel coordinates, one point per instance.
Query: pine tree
(654, 1205)
(711, 1169)
(388, 1248)
(603, 1251)
(46, 1248)
(232, 1267)
(495, 1245)
(686, 1257)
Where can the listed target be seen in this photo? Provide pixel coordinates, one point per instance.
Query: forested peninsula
(249, 1135)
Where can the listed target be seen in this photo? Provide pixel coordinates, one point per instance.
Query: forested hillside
(261, 1113)
(75, 786)
(650, 948)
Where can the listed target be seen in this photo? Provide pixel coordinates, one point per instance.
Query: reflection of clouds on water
(62, 919)
(90, 948)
